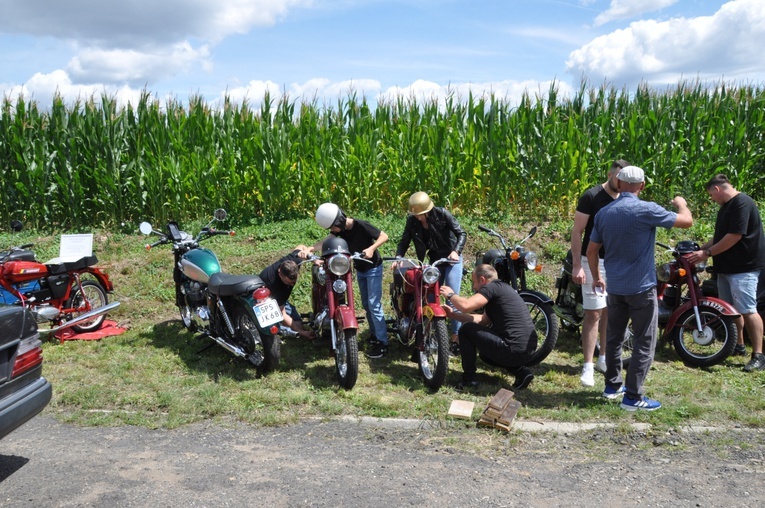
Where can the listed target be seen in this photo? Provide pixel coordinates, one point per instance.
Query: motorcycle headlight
(530, 259)
(664, 272)
(339, 264)
(431, 275)
(339, 286)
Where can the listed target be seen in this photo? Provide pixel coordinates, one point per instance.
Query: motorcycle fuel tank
(199, 264)
(22, 271)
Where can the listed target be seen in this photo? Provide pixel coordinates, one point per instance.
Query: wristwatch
(449, 296)
(708, 252)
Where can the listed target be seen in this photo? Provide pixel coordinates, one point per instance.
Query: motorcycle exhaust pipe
(235, 350)
(79, 319)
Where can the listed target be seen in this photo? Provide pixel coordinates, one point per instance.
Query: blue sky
(379, 48)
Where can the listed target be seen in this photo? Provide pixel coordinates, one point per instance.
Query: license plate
(267, 313)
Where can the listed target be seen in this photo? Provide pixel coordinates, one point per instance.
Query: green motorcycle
(236, 311)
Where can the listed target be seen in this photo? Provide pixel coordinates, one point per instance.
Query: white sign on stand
(75, 247)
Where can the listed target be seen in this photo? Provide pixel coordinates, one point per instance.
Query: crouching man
(503, 335)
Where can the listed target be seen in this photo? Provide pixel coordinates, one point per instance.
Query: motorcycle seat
(224, 284)
(72, 266)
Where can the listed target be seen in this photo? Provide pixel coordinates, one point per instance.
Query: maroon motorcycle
(419, 320)
(333, 313)
(700, 327)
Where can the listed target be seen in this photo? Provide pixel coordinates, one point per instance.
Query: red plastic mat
(108, 328)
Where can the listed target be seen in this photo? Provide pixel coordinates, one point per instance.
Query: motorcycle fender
(434, 309)
(345, 318)
(102, 278)
(723, 307)
(543, 298)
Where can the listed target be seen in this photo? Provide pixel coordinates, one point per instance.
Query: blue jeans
(451, 275)
(739, 290)
(370, 286)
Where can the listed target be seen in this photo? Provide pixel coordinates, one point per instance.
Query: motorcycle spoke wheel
(434, 357)
(708, 346)
(89, 297)
(346, 358)
(546, 325)
(262, 350)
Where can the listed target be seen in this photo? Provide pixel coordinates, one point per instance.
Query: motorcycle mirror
(16, 226)
(220, 214)
(145, 228)
(533, 231)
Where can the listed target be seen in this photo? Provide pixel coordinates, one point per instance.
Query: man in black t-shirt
(503, 335)
(280, 278)
(738, 250)
(595, 311)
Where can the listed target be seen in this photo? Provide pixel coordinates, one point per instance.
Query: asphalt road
(346, 463)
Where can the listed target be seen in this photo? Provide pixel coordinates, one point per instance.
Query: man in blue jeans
(627, 230)
(363, 237)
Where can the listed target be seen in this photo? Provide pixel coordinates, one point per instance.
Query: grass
(158, 375)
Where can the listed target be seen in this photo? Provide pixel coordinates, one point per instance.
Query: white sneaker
(588, 377)
(600, 365)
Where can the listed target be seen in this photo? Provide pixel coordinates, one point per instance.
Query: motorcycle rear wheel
(256, 344)
(710, 347)
(546, 325)
(433, 360)
(92, 292)
(346, 358)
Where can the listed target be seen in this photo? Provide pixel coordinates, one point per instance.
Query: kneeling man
(503, 335)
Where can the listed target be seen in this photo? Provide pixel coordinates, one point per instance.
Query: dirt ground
(350, 463)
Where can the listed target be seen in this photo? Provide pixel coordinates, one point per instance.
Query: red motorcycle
(700, 327)
(66, 295)
(419, 320)
(333, 313)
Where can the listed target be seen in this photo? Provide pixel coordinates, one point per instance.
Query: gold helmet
(420, 203)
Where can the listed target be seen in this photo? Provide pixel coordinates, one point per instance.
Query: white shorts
(590, 299)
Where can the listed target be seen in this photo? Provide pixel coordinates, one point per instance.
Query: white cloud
(728, 43)
(623, 9)
(511, 91)
(136, 67)
(140, 41)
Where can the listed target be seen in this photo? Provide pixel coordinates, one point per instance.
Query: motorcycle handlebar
(27, 246)
(485, 229)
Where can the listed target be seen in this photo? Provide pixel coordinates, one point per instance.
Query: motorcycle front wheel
(90, 292)
(263, 349)
(546, 325)
(346, 358)
(710, 346)
(433, 359)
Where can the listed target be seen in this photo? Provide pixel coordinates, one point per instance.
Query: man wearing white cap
(627, 230)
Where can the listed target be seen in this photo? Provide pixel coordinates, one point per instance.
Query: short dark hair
(716, 181)
(486, 271)
(619, 163)
(289, 269)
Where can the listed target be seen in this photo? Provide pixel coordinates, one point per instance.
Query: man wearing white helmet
(363, 237)
(437, 234)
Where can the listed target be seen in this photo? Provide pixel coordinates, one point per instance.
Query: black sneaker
(756, 363)
(739, 350)
(454, 350)
(523, 378)
(377, 350)
(465, 386)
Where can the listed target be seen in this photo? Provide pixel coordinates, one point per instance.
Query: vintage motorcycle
(511, 266)
(701, 327)
(333, 312)
(62, 294)
(235, 311)
(419, 320)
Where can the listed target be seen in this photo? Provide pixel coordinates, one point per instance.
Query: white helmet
(328, 215)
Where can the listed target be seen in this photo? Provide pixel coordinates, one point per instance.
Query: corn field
(92, 164)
